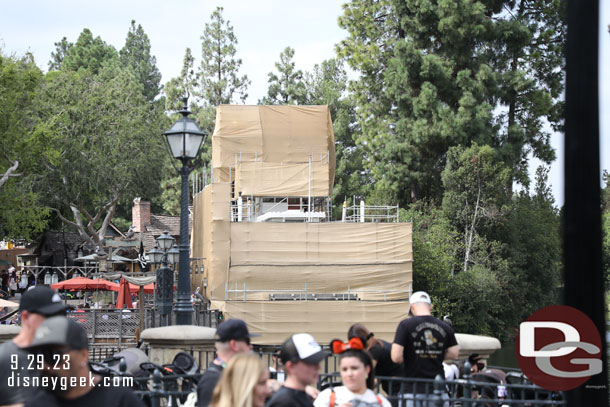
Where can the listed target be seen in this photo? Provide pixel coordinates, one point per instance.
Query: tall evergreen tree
(219, 69)
(183, 86)
(287, 86)
(373, 30)
(220, 82)
(89, 54)
(327, 85)
(438, 74)
(136, 55)
(61, 50)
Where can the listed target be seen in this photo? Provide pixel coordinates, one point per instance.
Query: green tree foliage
(287, 86)
(22, 215)
(327, 85)
(531, 234)
(373, 29)
(61, 50)
(468, 298)
(100, 138)
(88, 54)
(136, 55)
(219, 69)
(436, 75)
(475, 191)
(183, 86)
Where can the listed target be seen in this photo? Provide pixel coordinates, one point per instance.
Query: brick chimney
(140, 215)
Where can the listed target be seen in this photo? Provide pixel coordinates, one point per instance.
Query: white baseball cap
(420, 296)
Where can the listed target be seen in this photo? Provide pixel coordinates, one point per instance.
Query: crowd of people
(54, 349)
(13, 282)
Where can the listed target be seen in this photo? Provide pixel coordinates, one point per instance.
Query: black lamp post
(164, 253)
(184, 139)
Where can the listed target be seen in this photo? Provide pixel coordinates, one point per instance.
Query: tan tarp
(272, 134)
(327, 320)
(371, 260)
(273, 179)
(320, 243)
(211, 234)
(365, 281)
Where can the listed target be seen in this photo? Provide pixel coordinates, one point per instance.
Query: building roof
(161, 223)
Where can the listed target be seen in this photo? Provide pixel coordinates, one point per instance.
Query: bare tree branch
(8, 173)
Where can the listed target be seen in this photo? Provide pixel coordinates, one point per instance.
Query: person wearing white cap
(301, 356)
(421, 343)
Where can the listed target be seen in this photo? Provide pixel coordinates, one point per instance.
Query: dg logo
(559, 348)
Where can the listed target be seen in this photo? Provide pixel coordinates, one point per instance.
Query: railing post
(94, 330)
(120, 326)
(439, 389)
(155, 394)
(467, 385)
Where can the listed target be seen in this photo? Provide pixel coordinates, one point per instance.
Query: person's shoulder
(323, 398)
(125, 396)
(284, 397)
(42, 399)
(9, 348)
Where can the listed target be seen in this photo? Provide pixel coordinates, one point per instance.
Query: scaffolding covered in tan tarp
(212, 233)
(370, 260)
(325, 320)
(273, 179)
(282, 278)
(280, 143)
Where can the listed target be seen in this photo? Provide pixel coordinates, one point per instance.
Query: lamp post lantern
(184, 139)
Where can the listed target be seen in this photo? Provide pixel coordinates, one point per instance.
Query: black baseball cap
(302, 347)
(60, 331)
(233, 329)
(42, 300)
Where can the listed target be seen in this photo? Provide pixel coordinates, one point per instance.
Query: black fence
(112, 325)
(162, 386)
(159, 389)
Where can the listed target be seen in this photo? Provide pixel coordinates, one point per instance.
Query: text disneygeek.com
(63, 383)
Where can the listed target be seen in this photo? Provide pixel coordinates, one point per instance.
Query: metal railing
(438, 392)
(372, 213)
(112, 325)
(241, 294)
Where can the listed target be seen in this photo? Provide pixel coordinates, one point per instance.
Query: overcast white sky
(263, 29)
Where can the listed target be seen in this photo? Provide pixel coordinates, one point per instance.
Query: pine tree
(89, 54)
(183, 86)
(287, 86)
(452, 72)
(61, 50)
(136, 55)
(220, 82)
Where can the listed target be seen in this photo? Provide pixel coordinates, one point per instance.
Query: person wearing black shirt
(380, 351)
(62, 343)
(17, 365)
(301, 356)
(421, 343)
(232, 338)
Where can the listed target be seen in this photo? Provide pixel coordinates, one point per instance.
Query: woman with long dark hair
(358, 377)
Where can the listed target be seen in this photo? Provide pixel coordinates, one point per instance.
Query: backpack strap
(379, 400)
(333, 398)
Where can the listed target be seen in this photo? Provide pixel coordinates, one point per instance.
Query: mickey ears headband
(338, 346)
